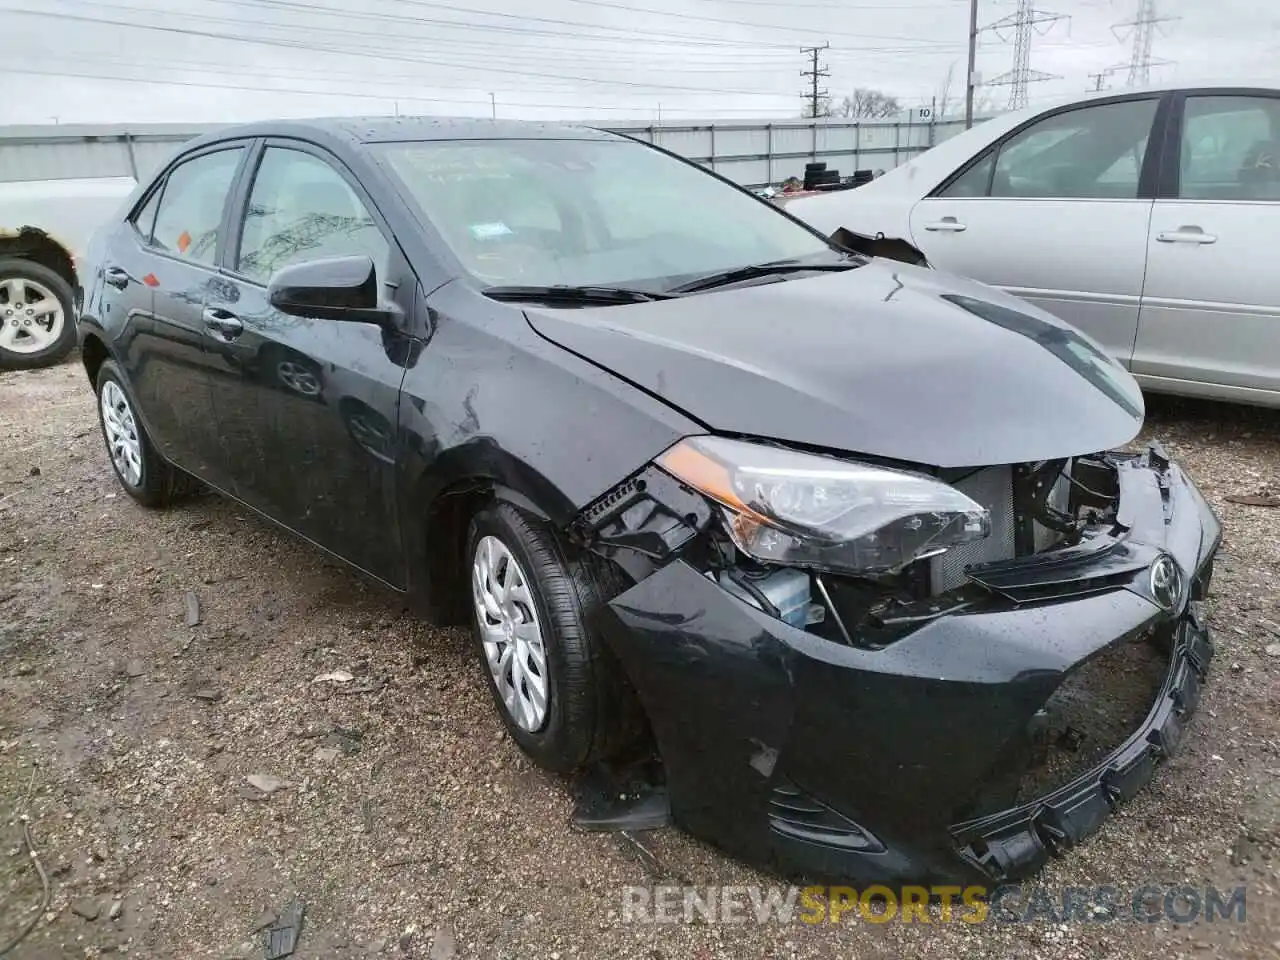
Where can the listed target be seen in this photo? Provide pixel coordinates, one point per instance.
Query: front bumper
(822, 761)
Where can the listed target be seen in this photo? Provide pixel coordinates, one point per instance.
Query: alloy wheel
(510, 633)
(121, 428)
(32, 317)
(298, 378)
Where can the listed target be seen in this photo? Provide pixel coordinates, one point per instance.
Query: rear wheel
(142, 472)
(37, 315)
(559, 691)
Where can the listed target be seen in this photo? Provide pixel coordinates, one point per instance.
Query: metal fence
(753, 153)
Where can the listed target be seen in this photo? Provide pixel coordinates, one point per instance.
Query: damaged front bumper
(906, 763)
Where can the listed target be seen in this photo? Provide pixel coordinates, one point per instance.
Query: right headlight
(786, 507)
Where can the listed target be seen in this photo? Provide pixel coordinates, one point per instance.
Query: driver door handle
(946, 225)
(1189, 234)
(222, 323)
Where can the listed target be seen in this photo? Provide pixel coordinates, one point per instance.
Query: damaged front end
(897, 676)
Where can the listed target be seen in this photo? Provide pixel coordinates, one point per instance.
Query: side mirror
(337, 288)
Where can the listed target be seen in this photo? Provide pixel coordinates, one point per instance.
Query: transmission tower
(1142, 31)
(815, 72)
(1024, 24)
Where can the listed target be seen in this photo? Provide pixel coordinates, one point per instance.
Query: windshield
(589, 212)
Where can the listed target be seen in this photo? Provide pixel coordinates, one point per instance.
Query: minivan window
(584, 212)
(190, 213)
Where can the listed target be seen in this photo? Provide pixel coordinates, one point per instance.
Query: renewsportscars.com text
(1147, 903)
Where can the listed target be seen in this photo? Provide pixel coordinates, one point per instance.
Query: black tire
(160, 483)
(17, 268)
(592, 712)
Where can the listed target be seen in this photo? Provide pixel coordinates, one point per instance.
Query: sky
(213, 61)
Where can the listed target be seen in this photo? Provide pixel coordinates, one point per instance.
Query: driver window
(302, 209)
(1093, 152)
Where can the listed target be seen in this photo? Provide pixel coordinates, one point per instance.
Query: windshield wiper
(752, 271)
(581, 296)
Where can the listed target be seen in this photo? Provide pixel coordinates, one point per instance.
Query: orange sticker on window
(184, 241)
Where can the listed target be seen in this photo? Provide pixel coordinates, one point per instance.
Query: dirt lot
(408, 822)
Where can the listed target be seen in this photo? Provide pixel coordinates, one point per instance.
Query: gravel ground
(406, 820)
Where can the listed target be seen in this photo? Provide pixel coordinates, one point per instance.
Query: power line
(1142, 30)
(384, 97)
(347, 50)
(627, 35)
(1024, 24)
(665, 36)
(617, 34)
(607, 4)
(815, 73)
(236, 70)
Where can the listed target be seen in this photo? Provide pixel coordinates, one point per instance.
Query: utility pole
(493, 107)
(1099, 78)
(1025, 23)
(1142, 30)
(971, 78)
(815, 73)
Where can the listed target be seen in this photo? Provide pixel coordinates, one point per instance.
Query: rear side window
(1231, 149)
(190, 211)
(300, 209)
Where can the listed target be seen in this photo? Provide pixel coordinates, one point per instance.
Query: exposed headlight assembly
(786, 507)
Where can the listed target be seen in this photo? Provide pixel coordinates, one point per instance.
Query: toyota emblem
(1166, 582)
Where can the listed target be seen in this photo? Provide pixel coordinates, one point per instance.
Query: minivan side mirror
(335, 288)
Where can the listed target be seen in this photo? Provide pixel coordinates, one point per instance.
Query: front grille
(1090, 716)
(1059, 500)
(993, 488)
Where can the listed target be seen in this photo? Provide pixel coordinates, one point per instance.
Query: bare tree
(824, 109)
(868, 104)
(984, 102)
(942, 103)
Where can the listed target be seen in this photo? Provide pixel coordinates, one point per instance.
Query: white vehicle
(1144, 218)
(44, 228)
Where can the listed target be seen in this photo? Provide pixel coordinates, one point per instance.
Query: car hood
(885, 360)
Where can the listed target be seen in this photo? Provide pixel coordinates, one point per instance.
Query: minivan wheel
(558, 690)
(144, 475)
(37, 315)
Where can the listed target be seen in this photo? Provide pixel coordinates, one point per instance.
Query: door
(1054, 214)
(1211, 307)
(157, 272)
(308, 407)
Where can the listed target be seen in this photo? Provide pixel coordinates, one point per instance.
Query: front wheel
(558, 690)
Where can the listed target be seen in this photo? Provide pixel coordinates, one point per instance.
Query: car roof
(394, 129)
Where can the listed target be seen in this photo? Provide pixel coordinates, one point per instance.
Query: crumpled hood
(885, 360)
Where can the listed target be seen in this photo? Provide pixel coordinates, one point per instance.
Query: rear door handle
(946, 225)
(1186, 235)
(117, 277)
(222, 324)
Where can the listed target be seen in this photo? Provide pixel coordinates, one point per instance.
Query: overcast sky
(601, 60)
